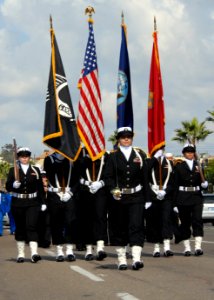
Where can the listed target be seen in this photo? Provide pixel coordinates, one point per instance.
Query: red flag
(156, 115)
(90, 123)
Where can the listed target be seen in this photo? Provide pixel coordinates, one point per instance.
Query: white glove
(95, 186)
(175, 209)
(16, 184)
(65, 196)
(204, 184)
(148, 204)
(161, 194)
(159, 153)
(43, 207)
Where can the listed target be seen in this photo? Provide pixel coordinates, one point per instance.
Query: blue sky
(186, 48)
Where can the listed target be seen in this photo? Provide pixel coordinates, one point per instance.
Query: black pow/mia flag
(60, 131)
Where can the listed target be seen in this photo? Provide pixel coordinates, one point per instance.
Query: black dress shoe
(137, 265)
(168, 253)
(156, 254)
(71, 257)
(60, 258)
(20, 260)
(35, 258)
(101, 255)
(89, 257)
(122, 267)
(187, 253)
(198, 252)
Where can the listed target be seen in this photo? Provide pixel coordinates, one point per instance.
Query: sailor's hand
(148, 204)
(16, 184)
(66, 196)
(95, 186)
(161, 194)
(204, 184)
(43, 207)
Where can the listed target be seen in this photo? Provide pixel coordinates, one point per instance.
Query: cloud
(186, 47)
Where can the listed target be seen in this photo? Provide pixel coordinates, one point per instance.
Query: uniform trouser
(159, 221)
(26, 221)
(191, 216)
(92, 216)
(129, 224)
(62, 218)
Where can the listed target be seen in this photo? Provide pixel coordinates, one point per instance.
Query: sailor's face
(125, 141)
(24, 159)
(189, 155)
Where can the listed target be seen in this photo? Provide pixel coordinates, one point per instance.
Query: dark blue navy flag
(124, 95)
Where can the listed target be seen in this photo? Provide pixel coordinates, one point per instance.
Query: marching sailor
(126, 177)
(27, 200)
(160, 208)
(92, 205)
(189, 183)
(63, 180)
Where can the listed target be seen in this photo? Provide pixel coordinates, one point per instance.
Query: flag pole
(89, 11)
(159, 159)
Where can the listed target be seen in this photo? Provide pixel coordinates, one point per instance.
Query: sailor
(126, 177)
(63, 181)
(27, 200)
(189, 183)
(92, 205)
(159, 229)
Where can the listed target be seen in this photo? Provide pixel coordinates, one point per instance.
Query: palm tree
(192, 131)
(211, 117)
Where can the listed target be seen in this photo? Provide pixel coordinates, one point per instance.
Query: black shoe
(60, 258)
(198, 252)
(137, 265)
(156, 254)
(35, 258)
(168, 253)
(187, 253)
(71, 257)
(122, 267)
(20, 260)
(89, 257)
(101, 255)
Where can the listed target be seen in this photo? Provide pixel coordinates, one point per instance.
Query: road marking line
(51, 253)
(126, 296)
(86, 273)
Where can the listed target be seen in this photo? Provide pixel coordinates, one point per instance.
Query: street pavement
(173, 278)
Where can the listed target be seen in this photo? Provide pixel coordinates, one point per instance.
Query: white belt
(85, 182)
(131, 190)
(189, 188)
(25, 196)
(58, 190)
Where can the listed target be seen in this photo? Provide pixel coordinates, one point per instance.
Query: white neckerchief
(189, 162)
(24, 168)
(126, 151)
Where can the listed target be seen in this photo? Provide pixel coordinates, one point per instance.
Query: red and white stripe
(90, 120)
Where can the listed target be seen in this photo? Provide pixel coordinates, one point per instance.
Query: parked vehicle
(208, 209)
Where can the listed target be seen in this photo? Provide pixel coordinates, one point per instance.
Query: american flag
(90, 120)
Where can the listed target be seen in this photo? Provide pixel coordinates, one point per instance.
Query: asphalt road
(173, 278)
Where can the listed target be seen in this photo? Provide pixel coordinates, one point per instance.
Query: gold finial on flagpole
(89, 11)
(155, 24)
(51, 23)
